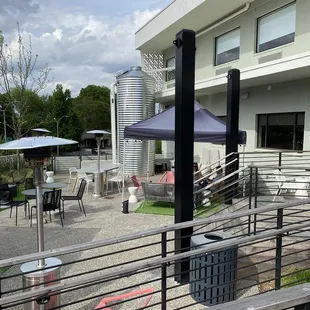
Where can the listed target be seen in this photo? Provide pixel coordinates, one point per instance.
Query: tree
(93, 107)
(20, 82)
(61, 112)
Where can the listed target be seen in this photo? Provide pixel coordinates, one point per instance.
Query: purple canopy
(207, 127)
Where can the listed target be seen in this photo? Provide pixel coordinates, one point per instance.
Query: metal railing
(269, 238)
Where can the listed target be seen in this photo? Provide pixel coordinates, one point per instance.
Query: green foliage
(62, 112)
(93, 107)
(158, 149)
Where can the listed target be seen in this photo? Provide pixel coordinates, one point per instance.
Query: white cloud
(81, 48)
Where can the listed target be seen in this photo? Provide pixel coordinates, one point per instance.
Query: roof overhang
(159, 33)
(287, 69)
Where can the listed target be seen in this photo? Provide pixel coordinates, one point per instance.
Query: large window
(170, 74)
(227, 47)
(281, 131)
(276, 28)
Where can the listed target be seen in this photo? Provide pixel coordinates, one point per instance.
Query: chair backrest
(5, 194)
(81, 189)
(168, 177)
(153, 190)
(72, 170)
(135, 181)
(279, 177)
(29, 183)
(51, 200)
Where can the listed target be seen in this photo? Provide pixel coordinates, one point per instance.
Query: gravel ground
(104, 220)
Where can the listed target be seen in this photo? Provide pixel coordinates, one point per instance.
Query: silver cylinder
(135, 102)
(35, 279)
(98, 184)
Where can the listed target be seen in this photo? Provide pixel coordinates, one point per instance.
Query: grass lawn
(164, 208)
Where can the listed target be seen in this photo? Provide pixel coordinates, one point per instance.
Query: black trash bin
(125, 207)
(213, 276)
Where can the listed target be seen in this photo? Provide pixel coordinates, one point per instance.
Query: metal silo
(135, 102)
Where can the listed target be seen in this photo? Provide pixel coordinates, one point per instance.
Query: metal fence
(9, 162)
(252, 246)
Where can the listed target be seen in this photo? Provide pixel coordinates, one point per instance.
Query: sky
(83, 42)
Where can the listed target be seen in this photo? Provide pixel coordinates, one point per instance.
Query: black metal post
(164, 272)
(232, 130)
(279, 250)
(250, 200)
(184, 148)
(255, 199)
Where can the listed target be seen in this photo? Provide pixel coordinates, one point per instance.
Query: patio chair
(51, 202)
(167, 178)
(282, 183)
(29, 185)
(77, 198)
(18, 177)
(118, 179)
(87, 178)
(136, 180)
(6, 200)
(72, 175)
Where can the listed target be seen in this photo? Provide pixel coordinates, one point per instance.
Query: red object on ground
(103, 303)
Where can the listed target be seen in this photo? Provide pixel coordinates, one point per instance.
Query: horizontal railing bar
(153, 263)
(280, 299)
(147, 233)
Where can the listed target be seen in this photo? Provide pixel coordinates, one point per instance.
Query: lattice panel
(153, 62)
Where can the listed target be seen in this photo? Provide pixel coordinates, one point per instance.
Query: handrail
(281, 299)
(151, 232)
(121, 271)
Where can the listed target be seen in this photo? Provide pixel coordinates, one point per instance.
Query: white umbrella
(33, 143)
(40, 130)
(100, 132)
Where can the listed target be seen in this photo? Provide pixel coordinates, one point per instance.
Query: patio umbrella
(36, 158)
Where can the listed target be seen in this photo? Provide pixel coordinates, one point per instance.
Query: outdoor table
(32, 192)
(104, 169)
(54, 185)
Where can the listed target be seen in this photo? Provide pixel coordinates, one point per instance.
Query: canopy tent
(207, 127)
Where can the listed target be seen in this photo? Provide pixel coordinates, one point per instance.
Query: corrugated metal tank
(135, 102)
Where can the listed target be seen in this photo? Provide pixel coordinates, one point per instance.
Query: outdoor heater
(37, 153)
(98, 175)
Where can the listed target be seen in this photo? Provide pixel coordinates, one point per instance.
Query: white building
(268, 40)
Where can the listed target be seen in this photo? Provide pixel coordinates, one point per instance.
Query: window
(170, 74)
(276, 28)
(281, 131)
(227, 47)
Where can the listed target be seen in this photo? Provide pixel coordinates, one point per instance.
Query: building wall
(248, 29)
(283, 97)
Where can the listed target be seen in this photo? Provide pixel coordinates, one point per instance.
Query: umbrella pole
(39, 203)
(148, 160)
(98, 151)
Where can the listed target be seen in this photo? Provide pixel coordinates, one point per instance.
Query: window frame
(265, 15)
(295, 114)
(215, 46)
(169, 71)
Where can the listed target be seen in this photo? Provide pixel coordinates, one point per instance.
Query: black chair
(51, 202)
(29, 185)
(78, 197)
(6, 200)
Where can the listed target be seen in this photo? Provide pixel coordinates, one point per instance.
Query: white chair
(87, 178)
(118, 179)
(282, 183)
(72, 175)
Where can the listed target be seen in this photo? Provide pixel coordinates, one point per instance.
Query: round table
(32, 192)
(54, 185)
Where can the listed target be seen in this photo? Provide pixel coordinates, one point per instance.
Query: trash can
(34, 278)
(125, 207)
(213, 276)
